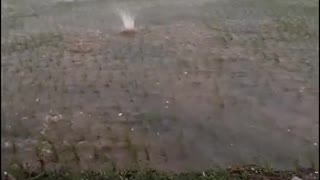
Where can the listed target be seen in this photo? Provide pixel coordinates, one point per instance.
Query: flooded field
(199, 84)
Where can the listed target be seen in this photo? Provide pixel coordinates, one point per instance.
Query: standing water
(204, 83)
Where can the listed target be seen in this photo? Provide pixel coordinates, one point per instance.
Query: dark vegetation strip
(249, 172)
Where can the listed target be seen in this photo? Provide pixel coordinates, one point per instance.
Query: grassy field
(249, 172)
(202, 84)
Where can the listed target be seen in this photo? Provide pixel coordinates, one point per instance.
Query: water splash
(128, 20)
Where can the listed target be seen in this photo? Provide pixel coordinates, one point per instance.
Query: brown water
(201, 84)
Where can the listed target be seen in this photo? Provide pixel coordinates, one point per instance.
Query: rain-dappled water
(200, 84)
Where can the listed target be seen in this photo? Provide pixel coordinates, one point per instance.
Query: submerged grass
(235, 173)
(31, 42)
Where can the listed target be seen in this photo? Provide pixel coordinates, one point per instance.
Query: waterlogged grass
(234, 173)
(75, 73)
(31, 42)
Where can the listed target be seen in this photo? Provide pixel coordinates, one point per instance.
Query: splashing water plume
(128, 22)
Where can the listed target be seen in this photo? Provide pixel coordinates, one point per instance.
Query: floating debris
(132, 129)
(301, 89)
(120, 114)
(185, 72)
(296, 178)
(24, 118)
(6, 144)
(53, 118)
(48, 151)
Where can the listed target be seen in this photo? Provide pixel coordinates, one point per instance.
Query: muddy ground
(201, 84)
